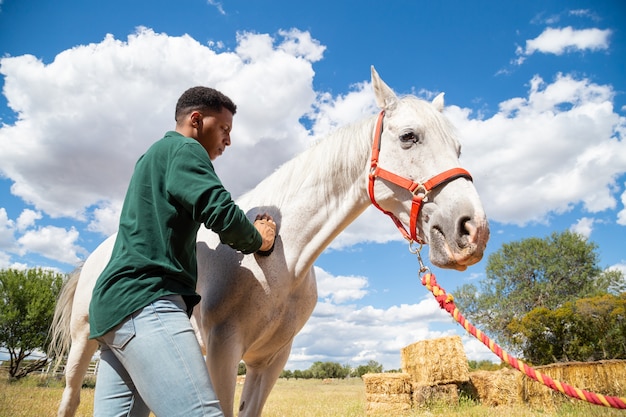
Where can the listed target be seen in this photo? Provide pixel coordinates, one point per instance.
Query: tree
(27, 300)
(529, 274)
(323, 370)
(372, 367)
(587, 329)
(484, 365)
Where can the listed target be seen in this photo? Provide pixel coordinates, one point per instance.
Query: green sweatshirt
(174, 189)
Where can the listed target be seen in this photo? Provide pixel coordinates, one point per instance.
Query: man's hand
(267, 228)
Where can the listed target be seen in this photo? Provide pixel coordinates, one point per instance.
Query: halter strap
(418, 190)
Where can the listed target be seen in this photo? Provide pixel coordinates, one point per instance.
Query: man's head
(206, 115)
(202, 98)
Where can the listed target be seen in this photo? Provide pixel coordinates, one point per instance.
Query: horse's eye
(409, 137)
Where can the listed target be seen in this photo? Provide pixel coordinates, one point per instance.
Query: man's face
(214, 131)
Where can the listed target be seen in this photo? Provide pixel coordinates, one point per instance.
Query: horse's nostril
(466, 227)
(467, 232)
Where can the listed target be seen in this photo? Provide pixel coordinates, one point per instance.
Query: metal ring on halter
(412, 249)
(421, 192)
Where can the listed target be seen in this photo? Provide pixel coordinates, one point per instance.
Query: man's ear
(195, 117)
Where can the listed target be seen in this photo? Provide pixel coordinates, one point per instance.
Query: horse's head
(417, 174)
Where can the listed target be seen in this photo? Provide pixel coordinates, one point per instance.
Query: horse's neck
(318, 194)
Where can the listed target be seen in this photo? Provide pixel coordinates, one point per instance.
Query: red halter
(419, 190)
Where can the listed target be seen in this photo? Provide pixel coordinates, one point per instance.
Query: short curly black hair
(202, 98)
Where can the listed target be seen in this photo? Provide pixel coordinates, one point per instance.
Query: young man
(150, 358)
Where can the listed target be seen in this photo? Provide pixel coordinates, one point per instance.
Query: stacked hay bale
(494, 388)
(387, 394)
(605, 377)
(431, 372)
(437, 367)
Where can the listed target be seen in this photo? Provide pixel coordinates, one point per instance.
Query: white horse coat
(252, 307)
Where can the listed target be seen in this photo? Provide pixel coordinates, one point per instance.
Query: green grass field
(34, 397)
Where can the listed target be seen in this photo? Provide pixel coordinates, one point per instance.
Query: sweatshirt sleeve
(192, 181)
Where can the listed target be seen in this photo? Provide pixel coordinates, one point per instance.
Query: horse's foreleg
(78, 361)
(222, 360)
(259, 383)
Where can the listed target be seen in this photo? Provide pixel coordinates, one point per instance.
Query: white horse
(252, 307)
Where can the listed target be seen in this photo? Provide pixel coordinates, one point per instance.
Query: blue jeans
(152, 361)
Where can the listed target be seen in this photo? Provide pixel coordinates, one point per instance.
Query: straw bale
(604, 377)
(436, 362)
(404, 398)
(494, 388)
(387, 383)
(445, 394)
(387, 393)
(387, 409)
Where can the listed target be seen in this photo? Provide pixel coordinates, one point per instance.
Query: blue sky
(536, 90)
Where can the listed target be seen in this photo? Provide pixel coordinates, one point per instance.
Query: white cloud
(341, 288)
(22, 237)
(217, 5)
(52, 242)
(370, 226)
(5, 260)
(584, 13)
(105, 219)
(621, 215)
(558, 41)
(583, 226)
(476, 350)
(546, 152)
(301, 44)
(7, 230)
(332, 112)
(27, 219)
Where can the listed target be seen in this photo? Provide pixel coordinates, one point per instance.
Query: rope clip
(418, 252)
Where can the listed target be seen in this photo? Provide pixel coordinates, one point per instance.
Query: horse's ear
(385, 97)
(438, 102)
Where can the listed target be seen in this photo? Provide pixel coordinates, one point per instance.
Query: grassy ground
(34, 397)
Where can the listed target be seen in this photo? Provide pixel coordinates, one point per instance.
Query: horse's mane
(342, 155)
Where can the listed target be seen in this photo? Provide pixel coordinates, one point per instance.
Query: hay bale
(436, 362)
(439, 394)
(604, 377)
(494, 388)
(386, 409)
(387, 383)
(388, 393)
